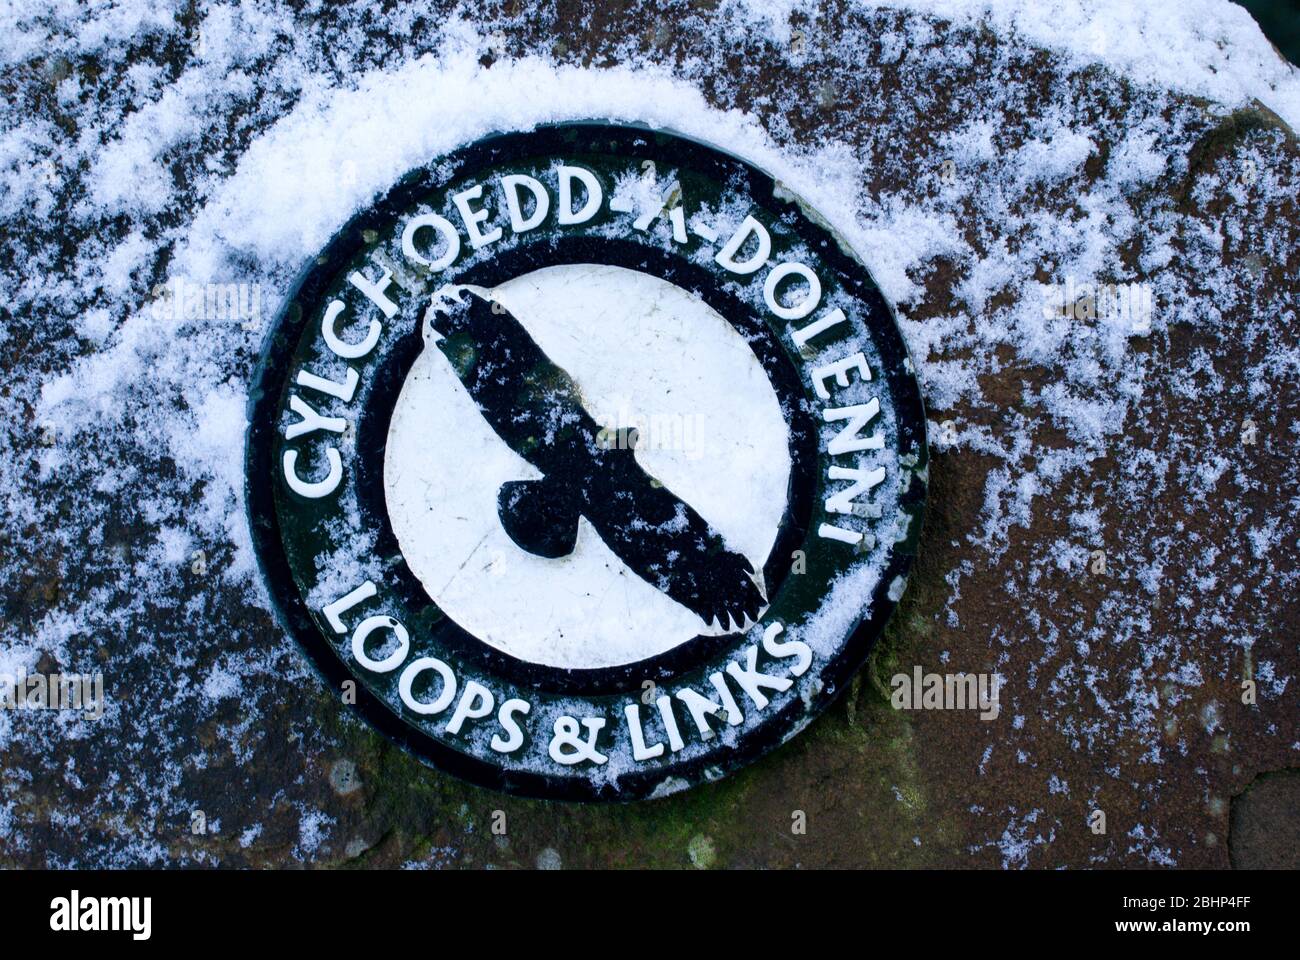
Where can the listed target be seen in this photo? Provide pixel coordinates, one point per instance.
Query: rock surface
(1112, 525)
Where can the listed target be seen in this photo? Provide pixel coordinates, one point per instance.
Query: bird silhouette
(587, 471)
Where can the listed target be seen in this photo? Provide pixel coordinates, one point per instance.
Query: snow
(1206, 48)
(282, 138)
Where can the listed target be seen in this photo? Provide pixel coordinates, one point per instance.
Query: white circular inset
(645, 354)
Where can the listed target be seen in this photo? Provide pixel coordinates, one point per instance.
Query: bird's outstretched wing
(531, 404)
(669, 545)
(535, 407)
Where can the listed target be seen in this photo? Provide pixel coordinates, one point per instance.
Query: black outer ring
(312, 283)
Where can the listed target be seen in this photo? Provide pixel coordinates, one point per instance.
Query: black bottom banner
(214, 908)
